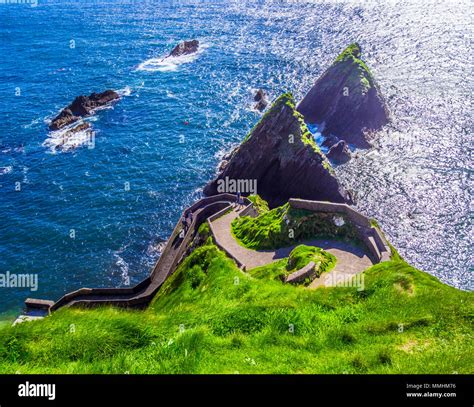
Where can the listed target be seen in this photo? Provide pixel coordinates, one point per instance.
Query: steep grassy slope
(212, 318)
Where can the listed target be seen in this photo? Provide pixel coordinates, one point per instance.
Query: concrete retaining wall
(320, 206)
(301, 274)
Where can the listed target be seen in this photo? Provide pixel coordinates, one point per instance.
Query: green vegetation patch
(285, 226)
(260, 205)
(361, 77)
(210, 317)
(302, 255)
(299, 257)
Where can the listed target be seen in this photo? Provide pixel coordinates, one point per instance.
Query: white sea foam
(155, 249)
(169, 64)
(33, 123)
(24, 171)
(126, 91)
(123, 266)
(171, 95)
(6, 170)
(61, 141)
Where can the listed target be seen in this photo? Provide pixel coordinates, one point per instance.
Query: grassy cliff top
(212, 318)
(360, 72)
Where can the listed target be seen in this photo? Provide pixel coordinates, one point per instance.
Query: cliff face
(347, 99)
(280, 155)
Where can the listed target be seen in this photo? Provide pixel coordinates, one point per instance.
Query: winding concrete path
(351, 260)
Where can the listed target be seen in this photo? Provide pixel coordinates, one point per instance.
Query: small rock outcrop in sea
(347, 100)
(339, 153)
(329, 141)
(185, 48)
(261, 99)
(280, 158)
(82, 106)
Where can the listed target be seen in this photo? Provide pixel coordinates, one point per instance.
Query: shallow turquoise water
(416, 182)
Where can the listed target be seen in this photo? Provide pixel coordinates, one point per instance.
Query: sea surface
(98, 214)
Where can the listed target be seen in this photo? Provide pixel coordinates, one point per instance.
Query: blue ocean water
(165, 137)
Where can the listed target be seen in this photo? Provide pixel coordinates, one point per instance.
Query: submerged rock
(261, 99)
(280, 158)
(329, 141)
(339, 153)
(185, 48)
(347, 99)
(82, 106)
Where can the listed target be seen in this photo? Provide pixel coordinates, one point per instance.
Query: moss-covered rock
(347, 100)
(284, 226)
(302, 255)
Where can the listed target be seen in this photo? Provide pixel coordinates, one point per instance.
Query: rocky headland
(346, 100)
(281, 156)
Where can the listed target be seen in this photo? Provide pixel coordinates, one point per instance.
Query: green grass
(361, 77)
(259, 204)
(302, 255)
(284, 226)
(212, 318)
(299, 257)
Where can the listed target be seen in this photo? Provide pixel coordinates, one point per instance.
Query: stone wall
(320, 206)
(371, 236)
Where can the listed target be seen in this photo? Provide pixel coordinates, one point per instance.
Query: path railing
(177, 246)
(142, 293)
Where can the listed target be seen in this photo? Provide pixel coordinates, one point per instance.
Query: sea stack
(185, 48)
(339, 153)
(261, 99)
(281, 156)
(347, 100)
(82, 106)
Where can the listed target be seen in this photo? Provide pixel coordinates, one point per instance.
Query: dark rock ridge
(82, 106)
(261, 99)
(347, 99)
(185, 48)
(281, 156)
(339, 153)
